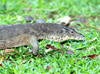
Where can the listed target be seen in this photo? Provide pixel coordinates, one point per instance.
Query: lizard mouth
(81, 38)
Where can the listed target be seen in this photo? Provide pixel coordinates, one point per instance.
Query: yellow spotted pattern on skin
(58, 39)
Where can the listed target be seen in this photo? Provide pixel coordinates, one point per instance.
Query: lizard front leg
(34, 45)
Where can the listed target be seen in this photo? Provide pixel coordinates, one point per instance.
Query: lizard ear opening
(63, 30)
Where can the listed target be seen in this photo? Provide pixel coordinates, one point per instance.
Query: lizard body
(24, 34)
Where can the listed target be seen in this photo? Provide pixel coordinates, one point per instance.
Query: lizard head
(63, 34)
(69, 33)
(59, 33)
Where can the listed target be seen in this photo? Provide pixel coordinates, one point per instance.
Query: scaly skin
(24, 34)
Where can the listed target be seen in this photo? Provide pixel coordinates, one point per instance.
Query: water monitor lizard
(24, 34)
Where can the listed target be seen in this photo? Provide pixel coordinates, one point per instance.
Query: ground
(54, 61)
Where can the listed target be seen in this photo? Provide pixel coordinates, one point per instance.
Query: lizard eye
(72, 32)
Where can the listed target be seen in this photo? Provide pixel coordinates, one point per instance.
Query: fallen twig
(48, 50)
(93, 39)
(28, 53)
(93, 27)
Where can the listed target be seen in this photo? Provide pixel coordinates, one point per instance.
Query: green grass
(59, 64)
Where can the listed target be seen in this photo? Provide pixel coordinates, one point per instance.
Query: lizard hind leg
(34, 45)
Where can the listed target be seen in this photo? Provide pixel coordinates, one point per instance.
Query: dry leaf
(5, 51)
(91, 56)
(82, 20)
(50, 48)
(1, 60)
(28, 53)
(48, 68)
(69, 52)
(19, 18)
(1, 65)
(64, 20)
